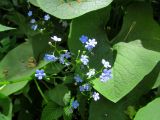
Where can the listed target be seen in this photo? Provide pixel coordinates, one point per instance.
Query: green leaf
(16, 69)
(3, 117)
(137, 27)
(157, 83)
(5, 28)
(40, 45)
(34, 2)
(68, 112)
(117, 111)
(52, 111)
(93, 27)
(58, 94)
(67, 98)
(67, 9)
(125, 75)
(6, 106)
(150, 111)
(132, 64)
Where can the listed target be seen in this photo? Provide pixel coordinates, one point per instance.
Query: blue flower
(50, 58)
(106, 75)
(67, 54)
(40, 74)
(61, 59)
(78, 79)
(75, 104)
(81, 88)
(87, 87)
(106, 63)
(29, 13)
(95, 96)
(46, 17)
(91, 73)
(32, 21)
(34, 27)
(84, 59)
(83, 39)
(90, 44)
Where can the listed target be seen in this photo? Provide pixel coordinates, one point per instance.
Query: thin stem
(40, 91)
(45, 84)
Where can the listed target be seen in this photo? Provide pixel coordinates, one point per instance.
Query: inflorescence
(82, 80)
(36, 23)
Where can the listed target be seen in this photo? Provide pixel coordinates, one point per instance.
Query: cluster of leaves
(127, 36)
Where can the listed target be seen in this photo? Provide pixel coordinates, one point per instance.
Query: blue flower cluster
(82, 80)
(85, 87)
(88, 43)
(64, 55)
(106, 73)
(34, 25)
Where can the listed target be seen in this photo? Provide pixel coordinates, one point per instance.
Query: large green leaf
(16, 68)
(125, 75)
(52, 111)
(116, 111)
(93, 27)
(132, 63)
(5, 28)
(150, 111)
(137, 27)
(68, 9)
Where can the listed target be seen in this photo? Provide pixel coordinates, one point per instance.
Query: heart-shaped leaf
(150, 111)
(68, 9)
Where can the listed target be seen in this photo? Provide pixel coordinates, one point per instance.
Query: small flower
(56, 39)
(40, 74)
(84, 59)
(61, 59)
(75, 104)
(90, 44)
(34, 27)
(106, 63)
(67, 54)
(78, 79)
(81, 88)
(29, 13)
(91, 73)
(50, 58)
(46, 17)
(106, 75)
(95, 96)
(83, 39)
(87, 87)
(32, 21)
